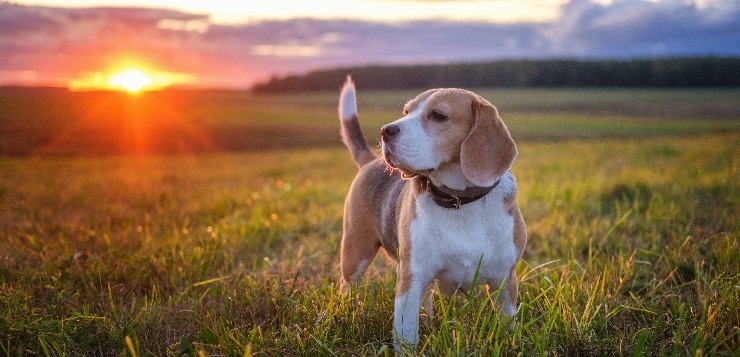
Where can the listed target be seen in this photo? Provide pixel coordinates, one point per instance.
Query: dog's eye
(437, 116)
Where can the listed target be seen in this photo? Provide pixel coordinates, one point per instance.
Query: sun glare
(132, 80)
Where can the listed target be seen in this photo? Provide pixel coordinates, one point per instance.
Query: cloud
(55, 45)
(65, 42)
(627, 28)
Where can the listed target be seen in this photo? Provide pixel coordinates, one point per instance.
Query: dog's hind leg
(354, 263)
(359, 248)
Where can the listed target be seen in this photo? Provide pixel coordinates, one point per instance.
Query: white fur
(348, 100)
(414, 148)
(360, 269)
(450, 175)
(454, 245)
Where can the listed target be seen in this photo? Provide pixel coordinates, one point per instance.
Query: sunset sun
(131, 80)
(132, 77)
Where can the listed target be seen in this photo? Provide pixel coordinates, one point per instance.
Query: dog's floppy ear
(488, 151)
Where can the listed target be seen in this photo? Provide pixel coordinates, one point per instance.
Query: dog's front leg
(509, 294)
(409, 296)
(507, 298)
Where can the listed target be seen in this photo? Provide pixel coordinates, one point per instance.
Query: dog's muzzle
(388, 133)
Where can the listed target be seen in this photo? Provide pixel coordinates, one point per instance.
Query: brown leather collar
(450, 198)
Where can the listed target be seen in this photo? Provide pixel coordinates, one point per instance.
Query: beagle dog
(440, 200)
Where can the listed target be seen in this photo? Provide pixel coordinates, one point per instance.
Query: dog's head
(449, 128)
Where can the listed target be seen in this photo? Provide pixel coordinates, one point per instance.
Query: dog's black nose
(389, 131)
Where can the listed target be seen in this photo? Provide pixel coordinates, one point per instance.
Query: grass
(633, 250)
(61, 123)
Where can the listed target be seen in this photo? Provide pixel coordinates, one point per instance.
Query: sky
(228, 44)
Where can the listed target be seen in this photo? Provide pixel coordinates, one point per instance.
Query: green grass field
(631, 198)
(47, 122)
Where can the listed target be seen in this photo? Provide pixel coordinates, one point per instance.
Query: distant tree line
(667, 72)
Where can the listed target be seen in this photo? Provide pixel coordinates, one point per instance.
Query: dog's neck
(448, 187)
(449, 175)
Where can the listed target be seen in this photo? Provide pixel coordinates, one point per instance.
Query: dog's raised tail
(351, 131)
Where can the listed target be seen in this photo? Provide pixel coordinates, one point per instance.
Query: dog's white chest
(456, 245)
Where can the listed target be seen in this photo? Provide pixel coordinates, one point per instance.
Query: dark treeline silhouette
(666, 72)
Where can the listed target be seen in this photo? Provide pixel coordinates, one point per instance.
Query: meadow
(208, 223)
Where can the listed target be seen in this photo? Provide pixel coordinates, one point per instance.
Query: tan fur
(489, 150)
(450, 135)
(406, 215)
(520, 241)
(366, 228)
